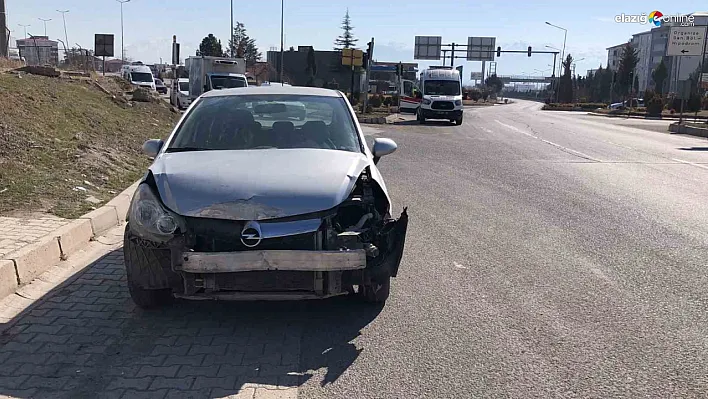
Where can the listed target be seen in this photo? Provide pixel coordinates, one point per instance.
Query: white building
(614, 55)
(642, 43)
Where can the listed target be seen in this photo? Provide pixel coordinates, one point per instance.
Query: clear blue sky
(150, 24)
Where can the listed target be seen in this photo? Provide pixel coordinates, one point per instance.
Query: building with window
(614, 55)
(642, 43)
(38, 50)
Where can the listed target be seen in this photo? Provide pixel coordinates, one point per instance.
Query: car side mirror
(383, 147)
(152, 147)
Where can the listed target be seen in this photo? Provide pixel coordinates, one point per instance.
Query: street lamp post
(25, 26)
(122, 41)
(282, 24)
(63, 17)
(45, 20)
(565, 35)
(232, 45)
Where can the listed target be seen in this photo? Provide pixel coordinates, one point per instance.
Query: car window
(183, 86)
(141, 77)
(267, 121)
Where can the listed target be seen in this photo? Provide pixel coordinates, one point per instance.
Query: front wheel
(145, 269)
(458, 122)
(421, 118)
(376, 291)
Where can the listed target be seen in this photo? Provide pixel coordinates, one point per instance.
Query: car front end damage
(354, 247)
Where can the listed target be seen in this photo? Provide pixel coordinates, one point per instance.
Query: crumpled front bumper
(291, 260)
(281, 274)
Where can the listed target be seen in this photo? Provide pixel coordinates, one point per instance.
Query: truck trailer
(214, 73)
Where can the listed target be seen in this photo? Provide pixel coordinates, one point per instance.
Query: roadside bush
(485, 95)
(654, 103)
(693, 104)
(387, 101)
(394, 100)
(375, 101)
(354, 99)
(705, 103)
(475, 95)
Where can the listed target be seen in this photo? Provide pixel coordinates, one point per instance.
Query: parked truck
(214, 73)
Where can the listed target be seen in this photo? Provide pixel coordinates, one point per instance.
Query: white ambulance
(440, 92)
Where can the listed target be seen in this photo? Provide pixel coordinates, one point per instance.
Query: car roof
(274, 89)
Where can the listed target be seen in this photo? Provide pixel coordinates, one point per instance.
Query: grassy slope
(55, 134)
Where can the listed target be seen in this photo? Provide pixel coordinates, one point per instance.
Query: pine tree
(625, 72)
(659, 75)
(346, 39)
(242, 46)
(210, 46)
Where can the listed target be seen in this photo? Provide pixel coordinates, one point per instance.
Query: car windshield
(158, 82)
(442, 87)
(141, 77)
(267, 121)
(227, 82)
(183, 86)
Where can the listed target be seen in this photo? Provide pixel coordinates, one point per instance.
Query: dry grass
(7, 64)
(59, 134)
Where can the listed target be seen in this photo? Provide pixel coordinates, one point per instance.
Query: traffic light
(499, 51)
(529, 52)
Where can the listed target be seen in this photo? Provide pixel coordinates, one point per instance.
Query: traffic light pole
(369, 56)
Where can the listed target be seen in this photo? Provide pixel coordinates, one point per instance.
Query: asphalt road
(549, 254)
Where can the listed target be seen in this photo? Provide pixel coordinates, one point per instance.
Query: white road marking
(690, 163)
(459, 266)
(560, 147)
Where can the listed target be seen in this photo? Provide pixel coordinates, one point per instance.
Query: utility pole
(63, 17)
(45, 20)
(231, 34)
(4, 45)
(282, 44)
(122, 41)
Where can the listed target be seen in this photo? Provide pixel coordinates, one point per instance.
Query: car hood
(256, 184)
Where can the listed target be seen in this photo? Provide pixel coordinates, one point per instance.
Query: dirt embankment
(66, 146)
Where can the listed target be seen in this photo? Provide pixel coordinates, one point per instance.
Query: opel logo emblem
(251, 234)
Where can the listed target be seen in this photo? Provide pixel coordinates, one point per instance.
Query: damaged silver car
(245, 201)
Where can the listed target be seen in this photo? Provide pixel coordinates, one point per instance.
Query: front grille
(443, 105)
(275, 280)
(216, 235)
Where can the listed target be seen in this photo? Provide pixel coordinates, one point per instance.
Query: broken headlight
(150, 219)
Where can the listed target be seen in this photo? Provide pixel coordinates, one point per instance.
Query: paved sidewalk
(75, 333)
(16, 232)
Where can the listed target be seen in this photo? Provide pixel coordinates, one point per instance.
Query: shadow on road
(427, 123)
(694, 149)
(86, 339)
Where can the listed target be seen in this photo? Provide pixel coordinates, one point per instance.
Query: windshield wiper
(186, 149)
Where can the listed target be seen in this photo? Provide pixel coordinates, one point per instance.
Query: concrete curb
(20, 267)
(379, 120)
(693, 131)
(658, 118)
(8, 278)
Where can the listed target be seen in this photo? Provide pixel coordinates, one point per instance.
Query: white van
(140, 76)
(441, 95)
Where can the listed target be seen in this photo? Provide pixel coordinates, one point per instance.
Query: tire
(458, 122)
(421, 118)
(148, 282)
(376, 292)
